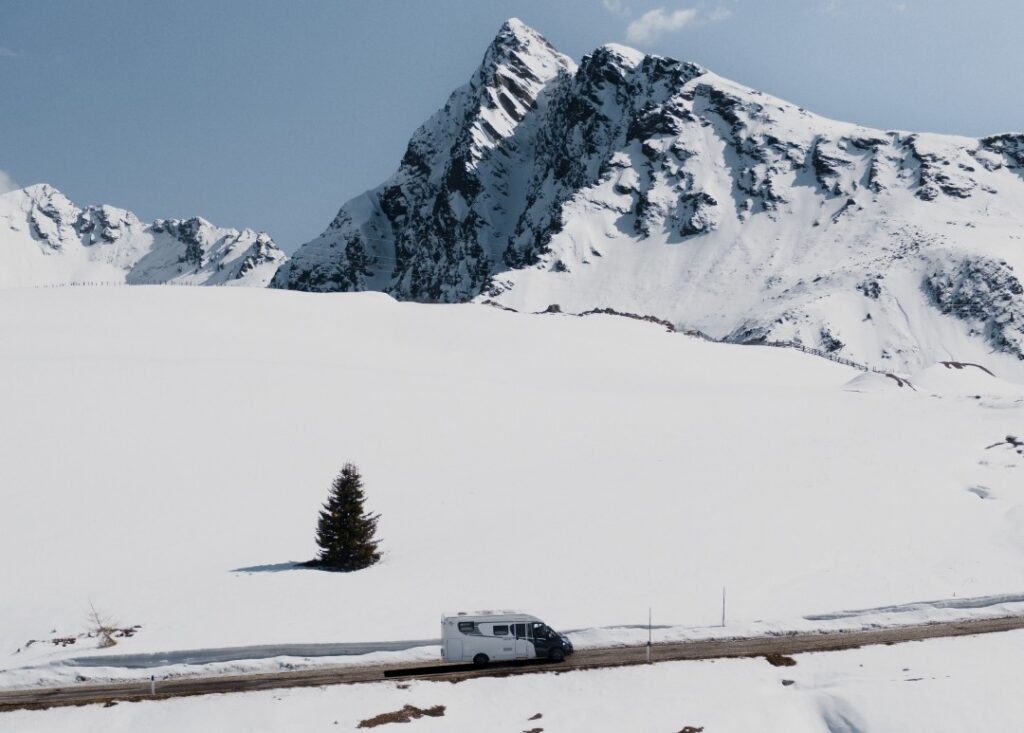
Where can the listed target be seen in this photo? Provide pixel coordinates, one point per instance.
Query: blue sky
(272, 114)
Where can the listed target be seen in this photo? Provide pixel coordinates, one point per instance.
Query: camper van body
(493, 637)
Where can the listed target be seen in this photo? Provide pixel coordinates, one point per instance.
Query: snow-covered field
(164, 452)
(940, 686)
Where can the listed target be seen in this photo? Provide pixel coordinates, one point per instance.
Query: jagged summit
(645, 184)
(629, 56)
(515, 26)
(37, 190)
(515, 35)
(515, 68)
(460, 166)
(45, 239)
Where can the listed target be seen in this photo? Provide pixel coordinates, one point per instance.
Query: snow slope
(940, 686)
(654, 186)
(45, 239)
(164, 452)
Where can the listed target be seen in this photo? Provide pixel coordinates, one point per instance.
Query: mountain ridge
(644, 184)
(46, 239)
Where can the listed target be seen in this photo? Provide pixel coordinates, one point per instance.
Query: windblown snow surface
(164, 452)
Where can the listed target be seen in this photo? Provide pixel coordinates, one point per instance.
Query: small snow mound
(875, 382)
(960, 379)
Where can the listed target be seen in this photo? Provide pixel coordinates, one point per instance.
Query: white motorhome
(491, 637)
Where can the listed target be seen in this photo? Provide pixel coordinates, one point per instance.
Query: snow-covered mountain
(653, 186)
(435, 230)
(45, 239)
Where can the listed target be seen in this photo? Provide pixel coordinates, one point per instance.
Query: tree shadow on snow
(279, 567)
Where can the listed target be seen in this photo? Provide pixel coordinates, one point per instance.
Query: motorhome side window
(521, 631)
(467, 627)
(501, 630)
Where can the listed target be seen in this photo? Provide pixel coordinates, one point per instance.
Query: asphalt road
(785, 644)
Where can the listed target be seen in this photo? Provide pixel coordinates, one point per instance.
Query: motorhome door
(524, 642)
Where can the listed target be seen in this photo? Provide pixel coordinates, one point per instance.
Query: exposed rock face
(985, 293)
(1011, 147)
(432, 231)
(262, 255)
(652, 186)
(97, 224)
(45, 239)
(607, 106)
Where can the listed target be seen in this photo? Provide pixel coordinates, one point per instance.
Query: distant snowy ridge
(648, 185)
(45, 239)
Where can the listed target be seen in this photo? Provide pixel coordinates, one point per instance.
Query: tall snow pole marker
(152, 684)
(648, 634)
(723, 606)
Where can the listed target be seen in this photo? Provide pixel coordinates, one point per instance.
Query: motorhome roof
(490, 615)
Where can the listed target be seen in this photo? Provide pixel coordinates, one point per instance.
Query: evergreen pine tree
(345, 532)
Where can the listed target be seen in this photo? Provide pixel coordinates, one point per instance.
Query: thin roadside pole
(648, 634)
(723, 606)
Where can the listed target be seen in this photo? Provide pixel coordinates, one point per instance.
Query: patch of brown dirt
(780, 660)
(409, 712)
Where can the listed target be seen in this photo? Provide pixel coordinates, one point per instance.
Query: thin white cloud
(7, 183)
(8, 52)
(616, 7)
(719, 14)
(657, 22)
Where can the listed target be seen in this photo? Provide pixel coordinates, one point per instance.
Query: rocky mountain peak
(652, 186)
(45, 197)
(516, 67)
(515, 38)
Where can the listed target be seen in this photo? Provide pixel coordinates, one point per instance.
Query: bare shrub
(102, 627)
